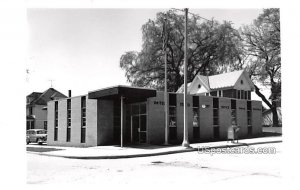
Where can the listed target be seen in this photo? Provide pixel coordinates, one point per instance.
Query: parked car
(36, 136)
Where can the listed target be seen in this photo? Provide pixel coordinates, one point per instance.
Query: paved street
(197, 168)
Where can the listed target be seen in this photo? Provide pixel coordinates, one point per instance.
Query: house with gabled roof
(235, 84)
(36, 107)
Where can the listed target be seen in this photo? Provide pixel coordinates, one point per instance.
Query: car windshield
(41, 132)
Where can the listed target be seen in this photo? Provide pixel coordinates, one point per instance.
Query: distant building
(235, 84)
(36, 108)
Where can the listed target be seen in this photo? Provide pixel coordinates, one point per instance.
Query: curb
(153, 154)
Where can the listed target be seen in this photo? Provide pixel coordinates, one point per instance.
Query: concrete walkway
(115, 152)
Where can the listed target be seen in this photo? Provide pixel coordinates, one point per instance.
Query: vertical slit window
(172, 117)
(68, 120)
(249, 117)
(83, 119)
(215, 111)
(196, 124)
(55, 120)
(233, 112)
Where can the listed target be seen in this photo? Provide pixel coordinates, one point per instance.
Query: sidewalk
(115, 152)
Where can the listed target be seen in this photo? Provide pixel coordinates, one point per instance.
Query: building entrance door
(138, 123)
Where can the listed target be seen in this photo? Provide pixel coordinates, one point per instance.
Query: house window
(172, 117)
(68, 120)
(249, 95)
(199, 85)
(196, 124)
(239, 94)
(216, 117)
(55, 120)
(45, 125)
(83, 119)
(27, 125)
(242, 82)
(220, 93)
(246, 95)
(30, 111)
(214, 93)
(242, 94)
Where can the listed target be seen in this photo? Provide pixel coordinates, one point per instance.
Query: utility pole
(185, 142)
(166, 85)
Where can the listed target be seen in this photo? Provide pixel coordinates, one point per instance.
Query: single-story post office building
(136, 115)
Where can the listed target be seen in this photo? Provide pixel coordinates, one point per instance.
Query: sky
(80, 49)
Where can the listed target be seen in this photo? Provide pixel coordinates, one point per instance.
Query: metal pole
(122, 101)
(185, 142)
(166, 90)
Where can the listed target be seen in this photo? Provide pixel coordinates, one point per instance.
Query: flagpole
(185, 142)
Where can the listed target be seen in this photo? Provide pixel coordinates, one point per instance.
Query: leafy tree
(262, 55)
(211, 48)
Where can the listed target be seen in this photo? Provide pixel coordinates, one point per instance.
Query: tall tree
(211, 47)
(262, 49)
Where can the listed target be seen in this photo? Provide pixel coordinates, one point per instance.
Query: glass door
(135, 128)
(138, 123)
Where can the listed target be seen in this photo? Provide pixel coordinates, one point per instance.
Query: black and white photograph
(139, 96)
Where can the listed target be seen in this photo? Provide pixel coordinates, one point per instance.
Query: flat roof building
(96, 118)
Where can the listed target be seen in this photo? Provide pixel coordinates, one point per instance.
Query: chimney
(70, 93)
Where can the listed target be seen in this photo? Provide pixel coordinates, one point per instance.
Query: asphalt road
(170, 169)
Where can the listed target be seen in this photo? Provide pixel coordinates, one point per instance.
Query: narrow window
(216, 117)
(172, 117)
(68, 120)
(30, 111)
(55, 120)
(233, 112)
(45, 125)
(239, 94)
(220, 93)
(249, 117)
(83, 119)
(196, 124)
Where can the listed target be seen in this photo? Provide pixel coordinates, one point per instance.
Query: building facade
(95, 119)
(36, 108)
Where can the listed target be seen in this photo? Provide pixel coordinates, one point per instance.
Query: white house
(235, 84)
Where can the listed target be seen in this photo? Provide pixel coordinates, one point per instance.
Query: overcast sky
(80, 49)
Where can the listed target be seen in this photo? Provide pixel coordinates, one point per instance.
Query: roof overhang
(131, 94)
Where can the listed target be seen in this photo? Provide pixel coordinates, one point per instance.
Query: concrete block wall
(180, 118)
(156, 119)
(62, 121)
(241, 113)
(105, 122)
(50, 119)
(91, 123)
(206, 117)
(75, 122)
(224, 116)
(256, 118)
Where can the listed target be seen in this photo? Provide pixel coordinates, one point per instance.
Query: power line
(192, 14)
